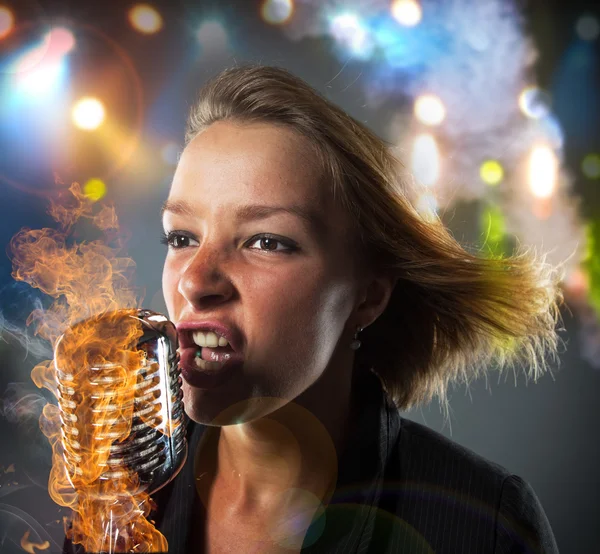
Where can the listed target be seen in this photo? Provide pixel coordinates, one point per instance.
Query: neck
(295, 447)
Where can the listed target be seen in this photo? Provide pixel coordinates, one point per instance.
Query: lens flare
(88, 114)
(277, 12)
(407, 12)
(429, 109)
(591, 166)
(491, 172)
(534, 102)
(145, 19)
(543, 170)
(426, 159)
(7, 22)
(94, 189)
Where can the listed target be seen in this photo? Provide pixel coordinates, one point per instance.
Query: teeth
(203, 364)
(210, 339)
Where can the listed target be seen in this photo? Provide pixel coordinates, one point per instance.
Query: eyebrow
(249, 212)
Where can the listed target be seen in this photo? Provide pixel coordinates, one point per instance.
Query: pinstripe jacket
(401, 488)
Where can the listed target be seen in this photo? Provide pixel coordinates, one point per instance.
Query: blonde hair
(452, 313)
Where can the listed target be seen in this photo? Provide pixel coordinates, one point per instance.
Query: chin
(208, 407)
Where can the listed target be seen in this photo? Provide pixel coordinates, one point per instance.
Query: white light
(543, 170)
(277, 11)
(41, 80)
(426, 159)
(407, 12)
(429, 109)
(588, 27)
(347, 29)
(88, 114)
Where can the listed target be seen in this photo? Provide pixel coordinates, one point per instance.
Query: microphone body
(101, 397)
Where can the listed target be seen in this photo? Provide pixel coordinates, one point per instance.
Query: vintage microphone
(155, 448)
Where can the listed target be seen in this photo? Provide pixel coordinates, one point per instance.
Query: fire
(29, 546)
(96, 375)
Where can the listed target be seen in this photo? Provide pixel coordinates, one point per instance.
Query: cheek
(169, 285)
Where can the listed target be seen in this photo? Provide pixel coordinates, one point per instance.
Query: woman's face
(291, 295)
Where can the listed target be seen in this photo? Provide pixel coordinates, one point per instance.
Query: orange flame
(93, 375)
(29, 546)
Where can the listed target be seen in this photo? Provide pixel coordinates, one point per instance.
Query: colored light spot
(276, 12)
(491, 172)
(429, 109)
(591, 166)
(145, 19)
(407, 12)
(88, 114)
(94, 189)
(7, 21)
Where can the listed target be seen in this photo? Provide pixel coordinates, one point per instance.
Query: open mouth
(196, 357)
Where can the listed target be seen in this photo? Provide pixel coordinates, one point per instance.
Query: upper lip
(185, 329)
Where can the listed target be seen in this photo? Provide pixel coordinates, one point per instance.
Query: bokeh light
(145, 19)
(588, 27)
(94, 189)
(7, 21)
(62, 41)
(212, 36)
(349, 31)
(429, 109)
(534, 102)
(407, 12)
(88, 114)
(491, 172)
(277, 12)
(426, 159)
(590, 166)
(543, 170)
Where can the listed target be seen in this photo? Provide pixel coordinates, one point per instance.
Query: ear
(374, 296)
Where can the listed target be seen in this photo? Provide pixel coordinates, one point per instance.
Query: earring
(355, 344)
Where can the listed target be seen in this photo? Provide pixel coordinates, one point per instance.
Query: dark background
(545, 432)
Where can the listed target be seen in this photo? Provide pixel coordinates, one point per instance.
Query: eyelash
(168, 239)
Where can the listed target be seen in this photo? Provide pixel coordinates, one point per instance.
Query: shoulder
(453, 495)
(416, 441)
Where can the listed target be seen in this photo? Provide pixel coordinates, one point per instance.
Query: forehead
(262, 161)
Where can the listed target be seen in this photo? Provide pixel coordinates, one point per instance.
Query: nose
(202, 282)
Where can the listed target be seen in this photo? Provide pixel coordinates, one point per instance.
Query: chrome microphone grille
(92, 410)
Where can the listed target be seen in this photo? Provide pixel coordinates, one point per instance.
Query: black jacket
(402, 488)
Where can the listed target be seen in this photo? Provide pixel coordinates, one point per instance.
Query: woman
(291, 235)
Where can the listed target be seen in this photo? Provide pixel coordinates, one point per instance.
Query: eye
(178, 239)
(268, 241)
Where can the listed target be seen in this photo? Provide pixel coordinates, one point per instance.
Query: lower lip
(204, 378)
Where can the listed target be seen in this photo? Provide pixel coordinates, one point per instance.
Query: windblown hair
(452, 314)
